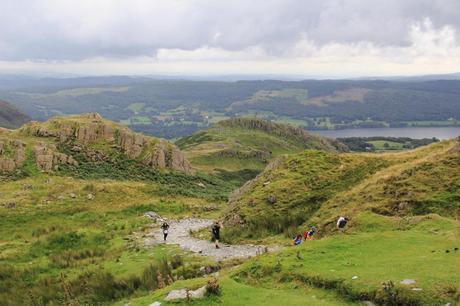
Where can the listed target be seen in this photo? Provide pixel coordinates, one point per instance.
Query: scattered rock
(209, 269)
(90, 196)
(408, 281)
(61, 197)
(196, 249)
(403, 205)
(76, 149)
(355, 277)
(417, 289)
(11, 205)
(200, 184)
(198, 293)
(152, 215)
(182, 294)
(73, 195)
(271, 199)
(176, 295)
(369, 303)
(155, 304)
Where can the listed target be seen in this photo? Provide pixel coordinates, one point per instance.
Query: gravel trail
(179, 234)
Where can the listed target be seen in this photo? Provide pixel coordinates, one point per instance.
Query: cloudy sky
(323, 38)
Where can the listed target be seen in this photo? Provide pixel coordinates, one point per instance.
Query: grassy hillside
(79, 241)
(241, 147)
(315, 186)
(371, 265)
(368, 263)
(72, 198)
(11, 117)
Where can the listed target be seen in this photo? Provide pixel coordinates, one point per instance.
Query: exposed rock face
(47, 159)
(90, 129)
(12, 154)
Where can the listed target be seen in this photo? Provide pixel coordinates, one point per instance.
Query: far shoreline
(441, 133)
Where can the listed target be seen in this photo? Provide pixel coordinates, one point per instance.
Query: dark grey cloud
(76, 30)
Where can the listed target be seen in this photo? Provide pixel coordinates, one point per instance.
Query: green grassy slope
(320, 186)
(367, 263)
(59, 246)
(240, 147)
(371, 265)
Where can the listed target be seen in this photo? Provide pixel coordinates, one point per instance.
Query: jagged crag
(69, 141)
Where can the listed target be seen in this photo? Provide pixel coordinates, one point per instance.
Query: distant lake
(411, 132)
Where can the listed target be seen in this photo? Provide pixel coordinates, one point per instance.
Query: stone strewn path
(179, 233)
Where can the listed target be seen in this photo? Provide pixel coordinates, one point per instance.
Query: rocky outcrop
(89, 130)
(253, 153)
(48, 159)
(286, 131)
(12, 154)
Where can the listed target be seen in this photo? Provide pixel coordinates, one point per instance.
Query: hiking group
(215, 230)
(308, 234)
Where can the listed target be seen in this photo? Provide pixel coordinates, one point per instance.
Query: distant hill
(11, 117)
(86, 146)
(176, 108)
(244, 146)
(315, 186)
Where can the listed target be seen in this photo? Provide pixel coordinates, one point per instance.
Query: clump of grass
(213, 287)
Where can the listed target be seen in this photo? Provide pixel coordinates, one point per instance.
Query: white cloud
(324, 37)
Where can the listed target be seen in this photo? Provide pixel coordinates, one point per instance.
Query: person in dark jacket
(165, 228)
(215, 229)
(341, 222)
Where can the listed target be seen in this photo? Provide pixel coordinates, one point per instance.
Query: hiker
(341, 222)
(165, 228)
(216, 233)
(297, 240)
(311, 232)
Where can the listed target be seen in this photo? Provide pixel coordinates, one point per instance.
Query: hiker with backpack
(309, 234)
(215, 229)
(165, 228)
(341, 222)
(297, 240)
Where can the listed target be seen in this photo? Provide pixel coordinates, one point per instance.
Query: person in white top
(341, 222)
